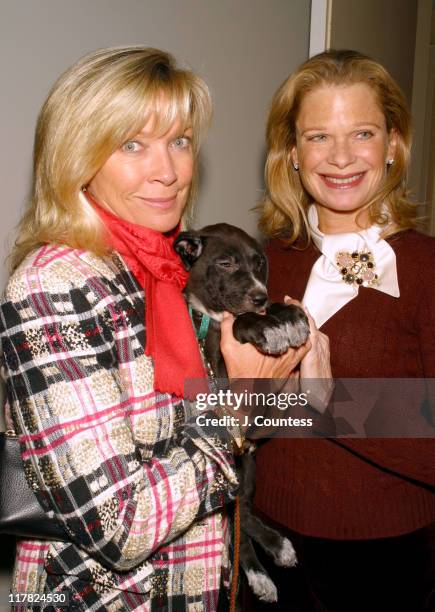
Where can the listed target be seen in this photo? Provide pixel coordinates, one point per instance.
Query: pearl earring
(296, 166)
(390, 162)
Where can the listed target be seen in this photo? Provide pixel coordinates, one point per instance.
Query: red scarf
(170, 338)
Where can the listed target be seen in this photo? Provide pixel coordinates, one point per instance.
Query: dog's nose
(259, 298)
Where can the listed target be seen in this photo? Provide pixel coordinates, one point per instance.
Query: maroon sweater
(362, 488)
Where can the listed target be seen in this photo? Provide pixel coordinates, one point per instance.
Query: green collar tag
(203, 328)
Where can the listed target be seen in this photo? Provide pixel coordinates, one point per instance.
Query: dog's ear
(189, 246)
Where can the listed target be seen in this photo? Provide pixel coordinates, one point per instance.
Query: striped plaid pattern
(135, 482)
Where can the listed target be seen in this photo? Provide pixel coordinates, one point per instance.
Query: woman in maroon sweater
(360, 511)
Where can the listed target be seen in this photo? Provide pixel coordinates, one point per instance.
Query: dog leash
(235, 576)
(201, 334)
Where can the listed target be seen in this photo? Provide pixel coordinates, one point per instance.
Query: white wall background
(384, 29)
(243, 49)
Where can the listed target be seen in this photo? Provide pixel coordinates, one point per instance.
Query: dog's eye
(224, 263)
(227, 264)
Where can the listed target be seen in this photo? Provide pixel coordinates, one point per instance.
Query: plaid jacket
(135, 482)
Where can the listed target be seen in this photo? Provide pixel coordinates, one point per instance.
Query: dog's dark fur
(228, 271)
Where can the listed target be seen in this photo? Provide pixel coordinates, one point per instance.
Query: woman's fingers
(245, 361)
(289, 300)
(312, 324)
(315, 369)
(283, 366)
(227, 338)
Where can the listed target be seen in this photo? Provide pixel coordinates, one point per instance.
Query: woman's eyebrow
(355, 125)
(371, 123)
(313, 129)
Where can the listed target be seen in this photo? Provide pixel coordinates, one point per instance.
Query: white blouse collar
(326, 292)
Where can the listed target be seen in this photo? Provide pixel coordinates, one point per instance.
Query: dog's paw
(291, 321)
(280, 336)
(262, 586)
(283, 326)
(286, 555)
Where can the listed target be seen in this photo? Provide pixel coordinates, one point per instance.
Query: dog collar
(203, 328)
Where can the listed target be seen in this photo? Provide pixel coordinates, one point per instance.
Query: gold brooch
(357, 268)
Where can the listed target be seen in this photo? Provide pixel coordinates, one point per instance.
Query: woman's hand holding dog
(245, 361)
(315, 367)
(317, 361)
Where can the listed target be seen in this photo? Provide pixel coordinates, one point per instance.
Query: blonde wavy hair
(93, 108)
(283, 210)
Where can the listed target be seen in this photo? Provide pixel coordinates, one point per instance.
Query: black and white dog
(228, 271)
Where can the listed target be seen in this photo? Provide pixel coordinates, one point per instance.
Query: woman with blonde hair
(360, 512)
(97, 344)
